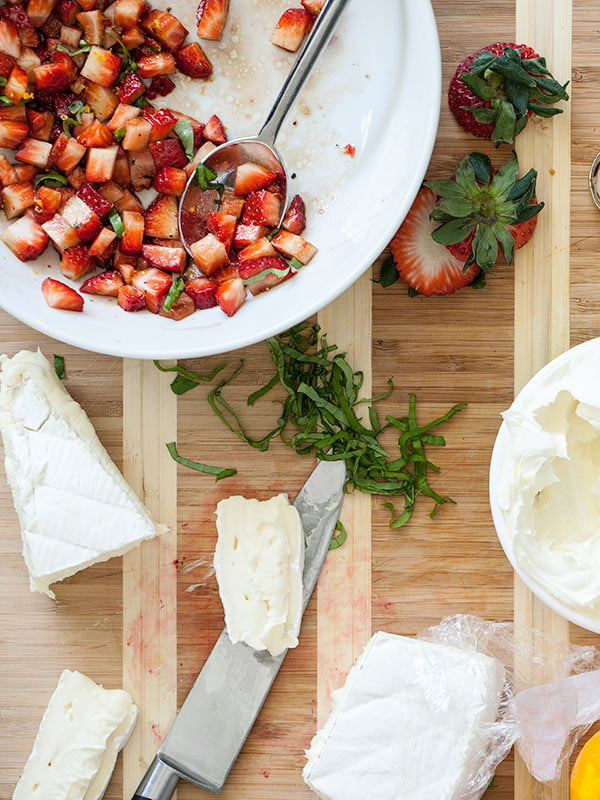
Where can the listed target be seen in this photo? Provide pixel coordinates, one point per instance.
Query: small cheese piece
(408, 723)
(258, 562)
(74, 506)
(80, 736)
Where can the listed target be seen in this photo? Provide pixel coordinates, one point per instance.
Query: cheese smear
(73, 504)
(409, 723)
(548, 483)
(258, 562)
(78, 741)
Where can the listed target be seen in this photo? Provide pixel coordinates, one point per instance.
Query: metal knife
(212, 725)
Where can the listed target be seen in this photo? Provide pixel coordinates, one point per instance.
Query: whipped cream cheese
(547, 483)
(258, 562)
(408, 724)
(73, 504)
(81, 733)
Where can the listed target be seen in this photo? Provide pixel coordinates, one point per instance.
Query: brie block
(258, 562)
(78, 741)
(73, 504)
(409, 723)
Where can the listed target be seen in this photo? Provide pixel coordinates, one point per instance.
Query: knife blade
(214, 721)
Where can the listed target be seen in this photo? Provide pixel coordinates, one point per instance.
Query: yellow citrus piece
(585, 775)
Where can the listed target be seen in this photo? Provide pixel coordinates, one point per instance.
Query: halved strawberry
(193, 61)
(275, 270)
(494, 90)
(162, 121)
(35, 152)
(12, 133)
(81, 217)
(262, 208)
(165, 28)
(25, 238)
(261, 248)
(292, 245)
(158, 64)
(106, 284)
(153, 284)
(96, 135)
(181, 308)
(92, 23)
(52, 78)
(128, 12)
(133, 236)
(76, 262)
(212, 16)
(202, 291)
(173, 259)
(291, 28)
(214, 130)
(168, 153)
(38, 11)
(17, 198)
(130, 298)
(170, 180)
(100, 164)
(250, 177)
(101, 66)
(231, 295)
(94, 200)
(58, 295)
(17, 84)
(425, 265)
(62, 233)
(131, 88)
(10, 43)
(161, 218)
(294, 220)
(209, 253)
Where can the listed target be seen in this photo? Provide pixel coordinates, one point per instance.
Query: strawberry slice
(106, 284)
(294, 220)
(291, 28)
(25, 238)
(193, 61)
(212, 16)
(130, 298)
(153, 284)
(58, 295)
(161, 218)
(202, 291)
(165, 28)
(251, 177)
(76, 262)
(231, 295)
(422, 263)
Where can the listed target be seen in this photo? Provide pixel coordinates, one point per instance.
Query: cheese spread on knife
(74, 506)
(78, 741)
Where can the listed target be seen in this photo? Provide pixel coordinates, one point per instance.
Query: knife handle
(158, 783)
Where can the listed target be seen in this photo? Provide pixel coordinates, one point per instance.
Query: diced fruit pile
(76, 85)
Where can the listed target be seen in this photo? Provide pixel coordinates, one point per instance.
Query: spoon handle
(317, 40)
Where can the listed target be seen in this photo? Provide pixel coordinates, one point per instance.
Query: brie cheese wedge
(78, 741)
(409, 723)
(258, 562)
(73, 504)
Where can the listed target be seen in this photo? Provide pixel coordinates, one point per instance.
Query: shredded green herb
(141, 102)
(388, 274)
(295, 263)
(128, 63)
(59, 366)
(3, 81)
(119, 133)
(185, 132)
(5, 101)
(218, 472)
(84, 47)
(186, 379)
(339, 540)
(174, 292)
(263, 274)
(76, 110)
(51, 179)
(117, 223)
(206, 178)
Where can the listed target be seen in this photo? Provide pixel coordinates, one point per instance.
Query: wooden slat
(149, 572)
(542, 281)
(344, 625)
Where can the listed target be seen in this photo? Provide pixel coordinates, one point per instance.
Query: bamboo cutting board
(148, 621)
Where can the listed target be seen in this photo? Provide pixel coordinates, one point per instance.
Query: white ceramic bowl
(501, 465)
(377, 88)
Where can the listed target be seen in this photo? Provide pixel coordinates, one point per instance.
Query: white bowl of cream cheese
(545, 484)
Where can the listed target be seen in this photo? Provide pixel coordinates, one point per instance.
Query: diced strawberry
(153, 284)
(200, 155)
(40, 124)
(193, 61)
(165, 28)
(35, 152)
(197, 128)
(226, 273)
(142, 169)
(291, 28)
(230, 204)
(159, 64)
(231, 295)
(162, 121)
(122, 173)
(261, 248)
(212, 15)
(223, 226)
(160, 86)
(97, 135)
(106, 284)
(130, 298)
(87, 120)
(28, 61)
(58, 295)
(131, 88)
(13, 113)
(8, 173)
(161, 218)
(46, 204)
(16, 199)
(294, 220)
(26, 173)
(76, 177)
(137, 134)
(62, 234)
(252, 268)
(6, 64)
(133, 236)
(51, 30)
(209, 253)
(128, 12)
(244, 235)
(66, 193)
(313, 6)
(129, 202)
(292, 245)
(70, 37)
(93, 200)
(92, 23)
(101, 100)
(100, 164)
(262, 208)
(76, 262)
(10, 43)
(71, 155)
(25, 238)
(101, 66)
(172, 259)
(58, 57)
(168, 153)
(202, 291)
(103, 244)
(67, 11)
(214, 130)
(251, 177)
(58, 148)
(61, 103)
(52, 78)
(122, 114)
(110, 192)
(82, 218)
(133, 37)
(170, 180)
(17, 84)
(38, 11)
(16, 15)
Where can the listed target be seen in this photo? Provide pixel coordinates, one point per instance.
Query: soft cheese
(409, 723)
(74, 506)
(258, 561)
(80, 736)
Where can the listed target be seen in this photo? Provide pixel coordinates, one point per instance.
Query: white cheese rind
(407, 725)
(78, 741)
(74, 506)
(258, 562)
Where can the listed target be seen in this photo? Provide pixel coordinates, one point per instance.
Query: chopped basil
(295, 263)
(5, 101)
(119, 133)
(206, 179)
(186, 379)
(76, 110)
(50, 179)
(185, 132)
(388, 274)
(3, 81)
(269, 271)
(84, 47)
(174, 292)
(59, 366)
(129, 64)
(117, 223)
(218, 472)
(141, 102)
(339, 540)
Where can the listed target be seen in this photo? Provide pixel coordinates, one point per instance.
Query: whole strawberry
(494, 91)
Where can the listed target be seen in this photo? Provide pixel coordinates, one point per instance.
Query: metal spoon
(196, 203)
(593, 180)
